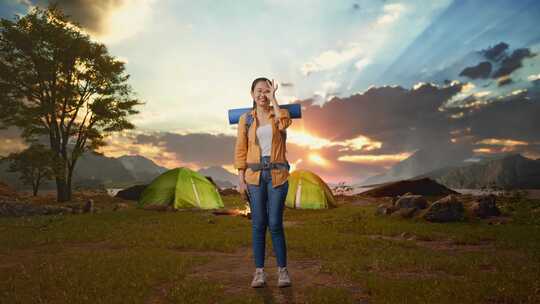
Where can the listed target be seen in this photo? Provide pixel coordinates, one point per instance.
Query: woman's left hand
(271, 95)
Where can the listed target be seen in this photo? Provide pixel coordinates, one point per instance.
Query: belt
(267, 166)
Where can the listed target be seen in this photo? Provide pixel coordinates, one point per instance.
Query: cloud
(331, 59)
(496, 52)
(11, 141)
(513, 62)
(362, 63)
(399, 118)
(513, 116)
(199, 149)
(534, 77)
(504, 80)
(391, 13)
(387, 159)
(108, 20)
(481, 70)
(327, 92)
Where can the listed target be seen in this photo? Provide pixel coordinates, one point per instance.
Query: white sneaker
(259, 278)
(283, 277)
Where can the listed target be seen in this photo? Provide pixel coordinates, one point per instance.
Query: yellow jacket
(247, 149)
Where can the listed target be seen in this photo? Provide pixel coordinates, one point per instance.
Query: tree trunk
(36, 187)
(62, 187)
(62, 194)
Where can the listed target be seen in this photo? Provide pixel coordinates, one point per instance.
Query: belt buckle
(266, 165)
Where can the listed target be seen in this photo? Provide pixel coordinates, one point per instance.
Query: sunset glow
(374, 159)
(319, 160)
(502, 142)
(359, 143)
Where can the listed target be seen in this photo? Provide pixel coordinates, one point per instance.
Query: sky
(377, 80)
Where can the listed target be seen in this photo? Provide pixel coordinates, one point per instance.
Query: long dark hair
(254, 83)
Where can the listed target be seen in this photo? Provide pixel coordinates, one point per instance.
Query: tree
(35, 164)
(56, 82)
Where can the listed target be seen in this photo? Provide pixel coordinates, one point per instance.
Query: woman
(263, 171)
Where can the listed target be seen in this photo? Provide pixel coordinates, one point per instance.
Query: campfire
(245, 212)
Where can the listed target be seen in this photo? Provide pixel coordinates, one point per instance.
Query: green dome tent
(308, 191)
(181, 188)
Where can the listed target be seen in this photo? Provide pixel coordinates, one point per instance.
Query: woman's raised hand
(271, 95)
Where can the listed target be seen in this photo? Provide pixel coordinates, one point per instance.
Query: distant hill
(222, 177)
(510, 172)
(421, 186)
(141, 168)
(95, 170)
(422, 161)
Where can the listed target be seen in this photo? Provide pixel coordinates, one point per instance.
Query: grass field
(341, 255)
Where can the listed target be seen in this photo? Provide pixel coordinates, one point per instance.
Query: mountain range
(513, 171)
(460, 171)
(96, 170)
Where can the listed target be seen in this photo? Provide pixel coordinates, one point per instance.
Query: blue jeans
(266, 206)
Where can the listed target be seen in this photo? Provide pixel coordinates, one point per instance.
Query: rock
(447, 209)
(485, 206)
(405, 212)
(407, 235)
(412, 201)
(120, 206)
(89, 206)
(25, 209)
(385, 209)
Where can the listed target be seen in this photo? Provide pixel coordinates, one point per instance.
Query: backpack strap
(249, 121)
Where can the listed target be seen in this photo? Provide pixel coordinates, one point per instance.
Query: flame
(245, 211)
(242, 211)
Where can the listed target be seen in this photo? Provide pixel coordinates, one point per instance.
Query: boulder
(120, 206)
(412, 201)
(447, 209)
(385, 209)
(405, 212)
(25, 209)
(88, 206)
(485, 206)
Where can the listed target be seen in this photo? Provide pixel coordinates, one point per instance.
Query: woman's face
(258, 94)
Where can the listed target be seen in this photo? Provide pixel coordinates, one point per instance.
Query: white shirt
(264, 134)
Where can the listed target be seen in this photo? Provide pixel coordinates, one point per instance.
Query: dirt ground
(234, 272)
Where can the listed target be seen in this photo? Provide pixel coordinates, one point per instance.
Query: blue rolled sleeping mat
(294, 109)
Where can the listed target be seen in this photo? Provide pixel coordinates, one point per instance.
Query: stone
(447, 209)
(412, 201)
(485, 206)
(405, 212)
(385, 209)
(89, 206)
(120, 206)
(16, 209)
